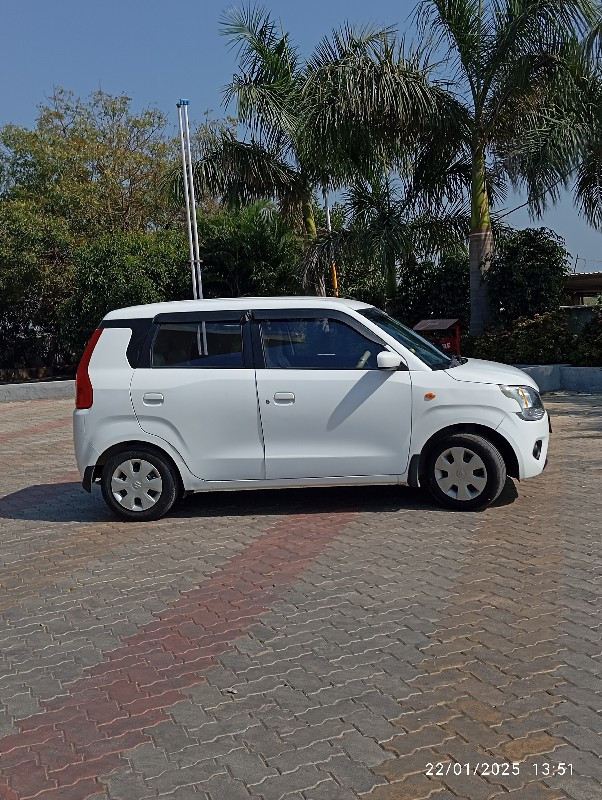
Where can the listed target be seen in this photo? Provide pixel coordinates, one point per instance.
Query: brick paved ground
(322, 644)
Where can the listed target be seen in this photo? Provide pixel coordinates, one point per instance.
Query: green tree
(516, 66)
(118, 270)
(386, 227)
(500, 104)
(528, 274)
(88, 169)
(249, 251)
(434, 289)
(277, 157)
(267, 92)
(35, 258)
(95, 163)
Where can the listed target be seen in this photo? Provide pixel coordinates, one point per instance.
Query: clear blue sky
(156, 51)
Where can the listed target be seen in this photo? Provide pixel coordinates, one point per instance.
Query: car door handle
(153, 399)
(284, 398)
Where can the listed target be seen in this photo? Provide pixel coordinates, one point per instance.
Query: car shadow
(68, 502)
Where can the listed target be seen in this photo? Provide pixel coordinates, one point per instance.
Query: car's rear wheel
(465, 472)
(139, 485)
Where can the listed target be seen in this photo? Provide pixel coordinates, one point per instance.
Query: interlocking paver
(311, 644)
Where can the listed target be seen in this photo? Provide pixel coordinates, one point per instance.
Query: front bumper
(530, 441)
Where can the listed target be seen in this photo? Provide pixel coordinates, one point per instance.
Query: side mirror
(388, 360)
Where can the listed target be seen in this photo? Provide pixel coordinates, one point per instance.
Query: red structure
(446, 333)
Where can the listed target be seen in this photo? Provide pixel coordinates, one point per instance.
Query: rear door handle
(152, 399)
(284, 398)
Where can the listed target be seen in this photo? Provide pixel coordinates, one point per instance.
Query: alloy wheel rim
(460, 473)
(136, 484)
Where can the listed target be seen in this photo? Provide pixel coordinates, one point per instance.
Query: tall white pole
(333, 266)
(192, 200)
(187, 198)
(327, 209)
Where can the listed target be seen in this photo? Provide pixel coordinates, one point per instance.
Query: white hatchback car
(252, 393)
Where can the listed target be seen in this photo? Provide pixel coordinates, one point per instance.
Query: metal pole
(192, 200)
(333, 266)
(187, 198)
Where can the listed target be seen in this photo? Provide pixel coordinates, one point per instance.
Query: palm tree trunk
(390, 277)
(480, 246)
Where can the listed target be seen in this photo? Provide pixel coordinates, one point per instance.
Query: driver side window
(316, 344)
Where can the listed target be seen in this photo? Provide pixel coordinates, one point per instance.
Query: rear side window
(198, 345)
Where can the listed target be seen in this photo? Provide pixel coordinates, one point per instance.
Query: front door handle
(153, 399)
(284, 398)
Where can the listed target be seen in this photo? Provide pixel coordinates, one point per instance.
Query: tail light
(84, 394)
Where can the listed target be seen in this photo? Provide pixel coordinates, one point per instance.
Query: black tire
(473, 488)
(143, 503)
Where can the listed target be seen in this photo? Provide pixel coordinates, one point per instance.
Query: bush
(528, 274)
(123, 270)
(249, 251)
(588, 352)
(430, 290)
(544, 339)
(34, 279)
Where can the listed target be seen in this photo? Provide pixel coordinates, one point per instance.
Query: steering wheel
(362, 362)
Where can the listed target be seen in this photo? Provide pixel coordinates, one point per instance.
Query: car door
(326, 409)
(195, 388)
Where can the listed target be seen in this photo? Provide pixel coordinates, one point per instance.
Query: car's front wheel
(139, 485)
(465, 472)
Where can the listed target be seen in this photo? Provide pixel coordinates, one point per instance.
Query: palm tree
(513, 67)
(385, 225)
(588, 185)
(276, 95)
(503, 109)
(270, 161)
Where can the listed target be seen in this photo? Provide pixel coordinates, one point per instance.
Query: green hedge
(543, 339)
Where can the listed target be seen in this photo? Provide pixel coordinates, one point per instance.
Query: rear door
(195, 387)
(326, 408)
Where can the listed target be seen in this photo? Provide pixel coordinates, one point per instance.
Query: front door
(326, 409)
(197, 391)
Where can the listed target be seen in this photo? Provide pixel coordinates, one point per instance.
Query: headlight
(528, 400)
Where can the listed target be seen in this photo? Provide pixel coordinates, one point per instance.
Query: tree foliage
(540, 339)
(95, 163)
(434, 290)
(528, 274)
(35, 270)
(249, 251)
(122, 269)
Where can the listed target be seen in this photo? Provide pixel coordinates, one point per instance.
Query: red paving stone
(113, 707)
(35, 430)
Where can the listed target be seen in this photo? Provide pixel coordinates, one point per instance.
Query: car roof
(234, 304)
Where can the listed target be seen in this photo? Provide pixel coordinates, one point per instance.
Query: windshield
(424, 350)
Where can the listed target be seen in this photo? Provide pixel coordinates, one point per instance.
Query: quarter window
(316, 344)
(198, 345)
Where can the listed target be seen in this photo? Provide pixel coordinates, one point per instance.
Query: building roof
(584, 282)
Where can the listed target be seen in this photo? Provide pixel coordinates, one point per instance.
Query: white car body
(257, 427)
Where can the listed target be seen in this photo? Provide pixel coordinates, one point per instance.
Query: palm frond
(534, 31)
(363, 105)
(540, 114)
(459, 27)
(240, 172)
(588, 187)
(267, 88)
(383, 227)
